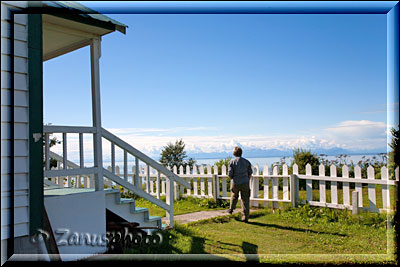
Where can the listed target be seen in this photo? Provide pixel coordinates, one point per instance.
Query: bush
(211, 204)
(309, 214)
(221, 162)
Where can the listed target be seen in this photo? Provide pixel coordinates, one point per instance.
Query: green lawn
(283, 237)
(305, 234)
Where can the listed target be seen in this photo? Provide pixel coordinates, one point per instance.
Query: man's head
(237, 151)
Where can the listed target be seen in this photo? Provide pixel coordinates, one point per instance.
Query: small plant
(220, 219)
(208, 203)
(223, 203)
(211, 204)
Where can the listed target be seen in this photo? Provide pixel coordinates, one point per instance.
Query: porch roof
(68, 26)
(87, 13)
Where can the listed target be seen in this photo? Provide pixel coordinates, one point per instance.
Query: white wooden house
(30, 35)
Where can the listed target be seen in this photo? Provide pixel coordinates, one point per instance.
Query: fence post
(188, 190)
(223, 169)
(334, 194)
(285, 180)
(322, 184)
(385, 189)
(354, 196)
(170, 200)
(358, 186)
(202, 185)
(297, 185)
(371, 190)
(195, 192)
(254, 184)
(293, 190)
(275, 188)
(346, 186)
(182, 189)
(266, 184)
(214, 190)
(175, 185)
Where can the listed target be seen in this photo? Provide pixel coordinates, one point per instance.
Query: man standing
(240, 172)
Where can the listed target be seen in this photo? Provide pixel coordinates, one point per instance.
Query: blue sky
(262, 81)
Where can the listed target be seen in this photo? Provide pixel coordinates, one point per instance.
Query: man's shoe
(230, 211)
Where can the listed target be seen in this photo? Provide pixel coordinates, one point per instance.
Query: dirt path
(201, 215)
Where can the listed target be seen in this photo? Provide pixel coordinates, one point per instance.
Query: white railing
(67, 171)
(65, 168)
(135, 187)
(78, 181)
(74, 172)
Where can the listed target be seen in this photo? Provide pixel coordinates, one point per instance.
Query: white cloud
(354, 135)
(361, 134)
(160, 131)
(358, 129)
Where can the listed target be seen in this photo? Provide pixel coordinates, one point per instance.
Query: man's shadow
(250, 251)
(294, 229)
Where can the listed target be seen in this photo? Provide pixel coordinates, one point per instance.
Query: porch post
(95, 54)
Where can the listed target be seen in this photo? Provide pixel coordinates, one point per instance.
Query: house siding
(21, 129)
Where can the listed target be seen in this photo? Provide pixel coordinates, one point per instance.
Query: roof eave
(78, 13)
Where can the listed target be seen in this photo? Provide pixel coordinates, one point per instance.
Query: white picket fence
(357, 199)
(207, 182)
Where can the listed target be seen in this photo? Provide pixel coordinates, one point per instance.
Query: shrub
(309, 214)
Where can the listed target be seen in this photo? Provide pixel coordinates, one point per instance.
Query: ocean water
(254, 161)
(276, 160)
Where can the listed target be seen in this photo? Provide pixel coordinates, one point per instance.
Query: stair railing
(70, 169)
(136, 187)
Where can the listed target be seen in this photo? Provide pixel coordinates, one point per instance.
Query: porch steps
(127, 210)
(123, 207)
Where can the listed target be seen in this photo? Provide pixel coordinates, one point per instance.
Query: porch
(88, 208)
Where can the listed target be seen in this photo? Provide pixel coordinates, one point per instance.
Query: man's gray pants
(244, 190)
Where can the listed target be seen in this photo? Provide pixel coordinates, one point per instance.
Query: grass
(307, 234)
